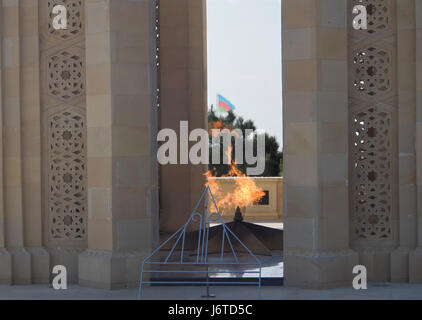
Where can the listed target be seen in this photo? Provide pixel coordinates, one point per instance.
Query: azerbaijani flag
(224, 105)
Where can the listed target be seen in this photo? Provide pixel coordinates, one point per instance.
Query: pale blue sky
(244, 59)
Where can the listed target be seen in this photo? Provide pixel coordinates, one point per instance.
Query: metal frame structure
(201, 258)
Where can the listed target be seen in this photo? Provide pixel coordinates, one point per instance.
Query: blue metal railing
(201, 258)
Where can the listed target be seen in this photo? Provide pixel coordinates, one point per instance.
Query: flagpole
(216, 105)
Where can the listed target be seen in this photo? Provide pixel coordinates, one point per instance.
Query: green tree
(273, 157)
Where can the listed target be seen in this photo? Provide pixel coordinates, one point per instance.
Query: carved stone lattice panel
(372, 173)
(373, 123)
(371, 72)
(63, 103)
(66, 74)
(67, 175)
(75, 23)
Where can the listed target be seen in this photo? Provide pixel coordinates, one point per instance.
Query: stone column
(317, 253)
(21, 151)
(5, 258)
(406, 139)
(122, 185)
(31, 142)
(12, 141)
(183, 98)
(415, 264)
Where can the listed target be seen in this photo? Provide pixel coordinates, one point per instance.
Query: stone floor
(374, 292)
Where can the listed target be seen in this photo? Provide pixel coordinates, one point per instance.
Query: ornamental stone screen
(373, 126)
(80, 185)
(63, 103)
(67, 176)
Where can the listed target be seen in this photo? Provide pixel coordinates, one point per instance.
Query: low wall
(270, 209)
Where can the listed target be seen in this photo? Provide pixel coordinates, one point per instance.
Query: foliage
(273, 157)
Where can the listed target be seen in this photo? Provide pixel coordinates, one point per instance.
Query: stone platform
(382, 291)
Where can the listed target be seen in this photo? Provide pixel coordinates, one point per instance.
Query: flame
(218, 125)
(229, 157)
(245, 193)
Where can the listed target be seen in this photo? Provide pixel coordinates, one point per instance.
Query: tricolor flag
(224, 105)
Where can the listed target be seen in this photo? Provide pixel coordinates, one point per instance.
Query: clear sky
(244, 59)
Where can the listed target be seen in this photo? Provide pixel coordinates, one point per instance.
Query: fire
(245, 193)
(216, 125)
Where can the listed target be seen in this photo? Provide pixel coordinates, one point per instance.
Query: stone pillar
(31, 142)
(406, 76)
(122, 179)
(317, 253)
(183, 86)
(12, 140)
(5, 258)
(63, 117)
(415, 264)
(375, 178)
(21, 140)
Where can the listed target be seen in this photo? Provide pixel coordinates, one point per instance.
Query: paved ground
(374, 292)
